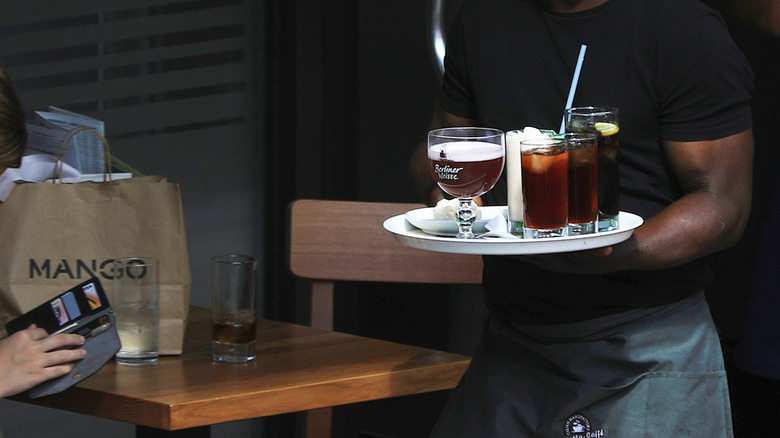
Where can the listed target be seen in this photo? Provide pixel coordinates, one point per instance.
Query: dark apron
(646, 373)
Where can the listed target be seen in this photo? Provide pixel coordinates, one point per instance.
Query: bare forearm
(716, 176)
(696, 225)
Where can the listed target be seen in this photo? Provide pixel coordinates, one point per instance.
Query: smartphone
(64, 312)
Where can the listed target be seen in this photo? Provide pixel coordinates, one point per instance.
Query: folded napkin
(447, 209)
(497, 227)
(34, 168)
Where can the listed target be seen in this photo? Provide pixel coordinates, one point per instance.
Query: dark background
(371, 101)
(356, 85)
(344, 92)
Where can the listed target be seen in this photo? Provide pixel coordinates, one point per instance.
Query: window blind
(171, 72)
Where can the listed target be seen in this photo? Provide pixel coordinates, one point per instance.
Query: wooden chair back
(345, 241)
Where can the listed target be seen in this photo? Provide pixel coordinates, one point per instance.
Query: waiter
(617, 341)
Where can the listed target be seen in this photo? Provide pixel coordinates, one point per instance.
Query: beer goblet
(466, 162)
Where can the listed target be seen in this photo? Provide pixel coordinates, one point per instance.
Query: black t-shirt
(670, 67)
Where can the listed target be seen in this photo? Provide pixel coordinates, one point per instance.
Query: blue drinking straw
(573, 88)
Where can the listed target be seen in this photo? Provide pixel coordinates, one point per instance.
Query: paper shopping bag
(53, 235)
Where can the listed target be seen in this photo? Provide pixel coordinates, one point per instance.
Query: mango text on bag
(75, 269)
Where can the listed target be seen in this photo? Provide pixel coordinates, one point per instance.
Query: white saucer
(422, 218)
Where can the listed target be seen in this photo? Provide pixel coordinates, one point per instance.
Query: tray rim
(409, 235)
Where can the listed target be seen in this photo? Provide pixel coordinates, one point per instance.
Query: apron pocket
(688, 405)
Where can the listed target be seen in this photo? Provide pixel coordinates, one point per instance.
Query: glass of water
(136, 303)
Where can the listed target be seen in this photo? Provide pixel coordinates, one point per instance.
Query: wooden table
(297, 368)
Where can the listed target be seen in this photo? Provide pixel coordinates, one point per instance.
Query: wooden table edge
(440, 371)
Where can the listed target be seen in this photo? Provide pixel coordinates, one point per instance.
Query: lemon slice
(606, 128)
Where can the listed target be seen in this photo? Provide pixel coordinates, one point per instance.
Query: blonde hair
(13, 134)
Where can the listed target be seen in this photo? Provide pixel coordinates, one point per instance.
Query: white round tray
(409, 235)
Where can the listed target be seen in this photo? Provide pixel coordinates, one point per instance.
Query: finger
(61, 340)
(602, 252)
(55, 371)
(36, 333)
(63, 357)
(435, 196)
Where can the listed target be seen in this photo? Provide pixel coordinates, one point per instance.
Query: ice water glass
(136, 303)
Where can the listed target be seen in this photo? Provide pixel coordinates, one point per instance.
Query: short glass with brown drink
(466, 162)
(602, 121)
(545, 166)
(583, 182)
(233, 299)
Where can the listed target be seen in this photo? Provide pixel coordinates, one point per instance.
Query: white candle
(514, 169)
(514, 176)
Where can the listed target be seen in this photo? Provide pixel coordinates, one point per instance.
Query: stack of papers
(42, 167)
(82, 158)
(84, 152)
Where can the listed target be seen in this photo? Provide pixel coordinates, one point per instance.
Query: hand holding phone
(41, 349)
(30, 357)
(65, 311)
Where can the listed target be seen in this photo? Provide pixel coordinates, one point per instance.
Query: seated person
(30, 356)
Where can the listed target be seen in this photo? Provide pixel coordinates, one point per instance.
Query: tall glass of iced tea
(466, 162)
(583, 182)
(545, 164)
(602, 121)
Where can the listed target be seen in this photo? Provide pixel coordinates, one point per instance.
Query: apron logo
(578, 426)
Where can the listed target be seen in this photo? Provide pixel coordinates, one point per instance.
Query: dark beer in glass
(602, 121)
(583, 182)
